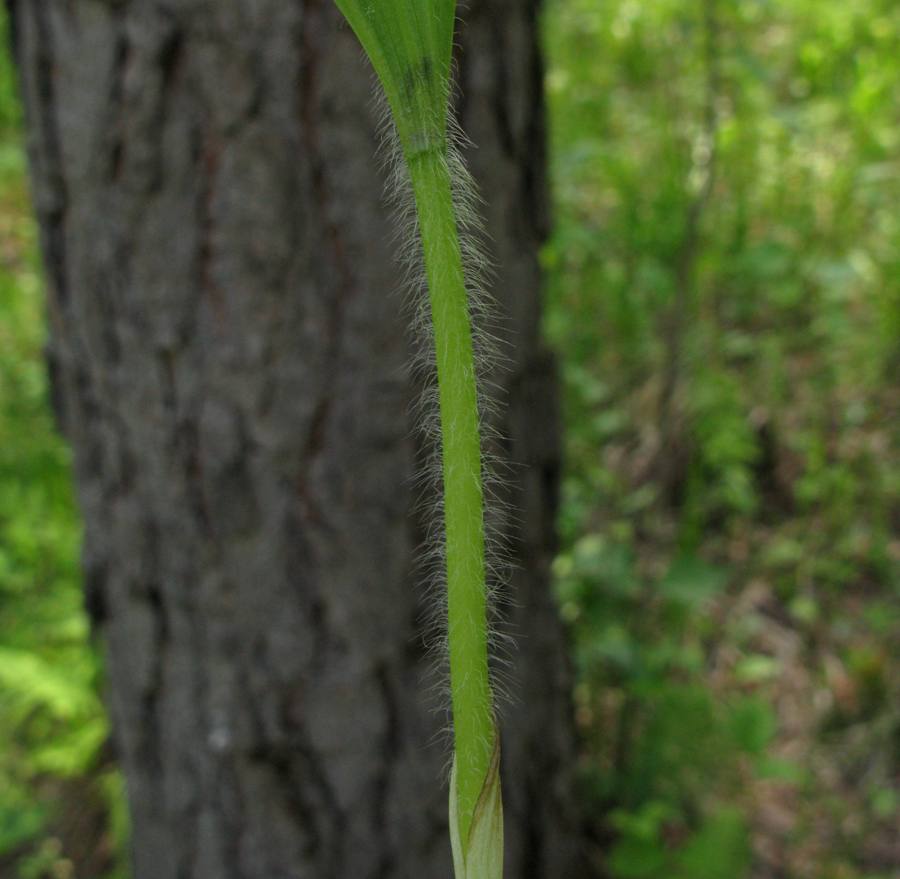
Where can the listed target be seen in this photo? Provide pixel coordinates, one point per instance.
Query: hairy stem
(473, 727)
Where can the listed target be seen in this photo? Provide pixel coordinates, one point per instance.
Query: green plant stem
(473, 727)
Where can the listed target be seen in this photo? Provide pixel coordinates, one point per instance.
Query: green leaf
(409, 43)
(640, 852)
(719, 850)
(753, 724)
(691, 581)
(35, 683)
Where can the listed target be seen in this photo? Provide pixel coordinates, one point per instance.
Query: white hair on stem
(485, 323)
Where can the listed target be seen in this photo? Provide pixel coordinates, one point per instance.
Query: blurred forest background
(723, 290)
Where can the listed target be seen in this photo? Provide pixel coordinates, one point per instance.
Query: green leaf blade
(410, 44)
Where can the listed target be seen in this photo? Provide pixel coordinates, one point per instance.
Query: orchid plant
(409, 43)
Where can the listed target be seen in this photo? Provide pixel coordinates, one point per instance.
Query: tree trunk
(227, 356)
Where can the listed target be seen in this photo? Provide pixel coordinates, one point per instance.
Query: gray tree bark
(228, 363)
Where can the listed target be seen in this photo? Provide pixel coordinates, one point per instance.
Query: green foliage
(723, 285)
(718, 850)
(643, 697)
